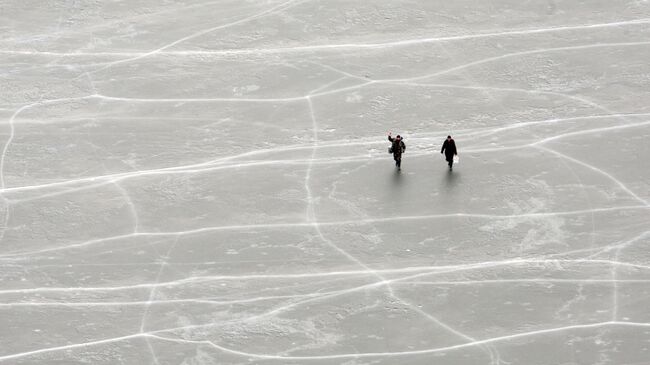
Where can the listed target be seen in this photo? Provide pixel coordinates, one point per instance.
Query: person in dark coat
(397, 149)
(449, 149)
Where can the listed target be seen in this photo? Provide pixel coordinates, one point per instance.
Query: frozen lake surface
(208, 183)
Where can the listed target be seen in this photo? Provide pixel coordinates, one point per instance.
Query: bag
(456, 159)
(390, 149)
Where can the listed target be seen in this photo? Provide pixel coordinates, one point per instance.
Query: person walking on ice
(397, 148)
(449, 149)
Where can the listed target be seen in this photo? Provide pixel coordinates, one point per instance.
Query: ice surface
(208, 183)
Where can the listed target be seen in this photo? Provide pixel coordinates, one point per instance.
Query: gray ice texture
(207, 182)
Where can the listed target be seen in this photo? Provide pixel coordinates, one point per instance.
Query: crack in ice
(497, 339)
(538, 215)
(323, 47)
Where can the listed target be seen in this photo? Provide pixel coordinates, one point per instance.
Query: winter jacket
(398, 147)
(449, 149)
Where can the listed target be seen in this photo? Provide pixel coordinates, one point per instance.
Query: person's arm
(390, 138)
(444, 145)
(455, 149)
(403, 146)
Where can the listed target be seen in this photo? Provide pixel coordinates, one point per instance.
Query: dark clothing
(398, 148)
(449, 149)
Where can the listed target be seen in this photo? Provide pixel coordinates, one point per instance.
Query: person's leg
(399, 164)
